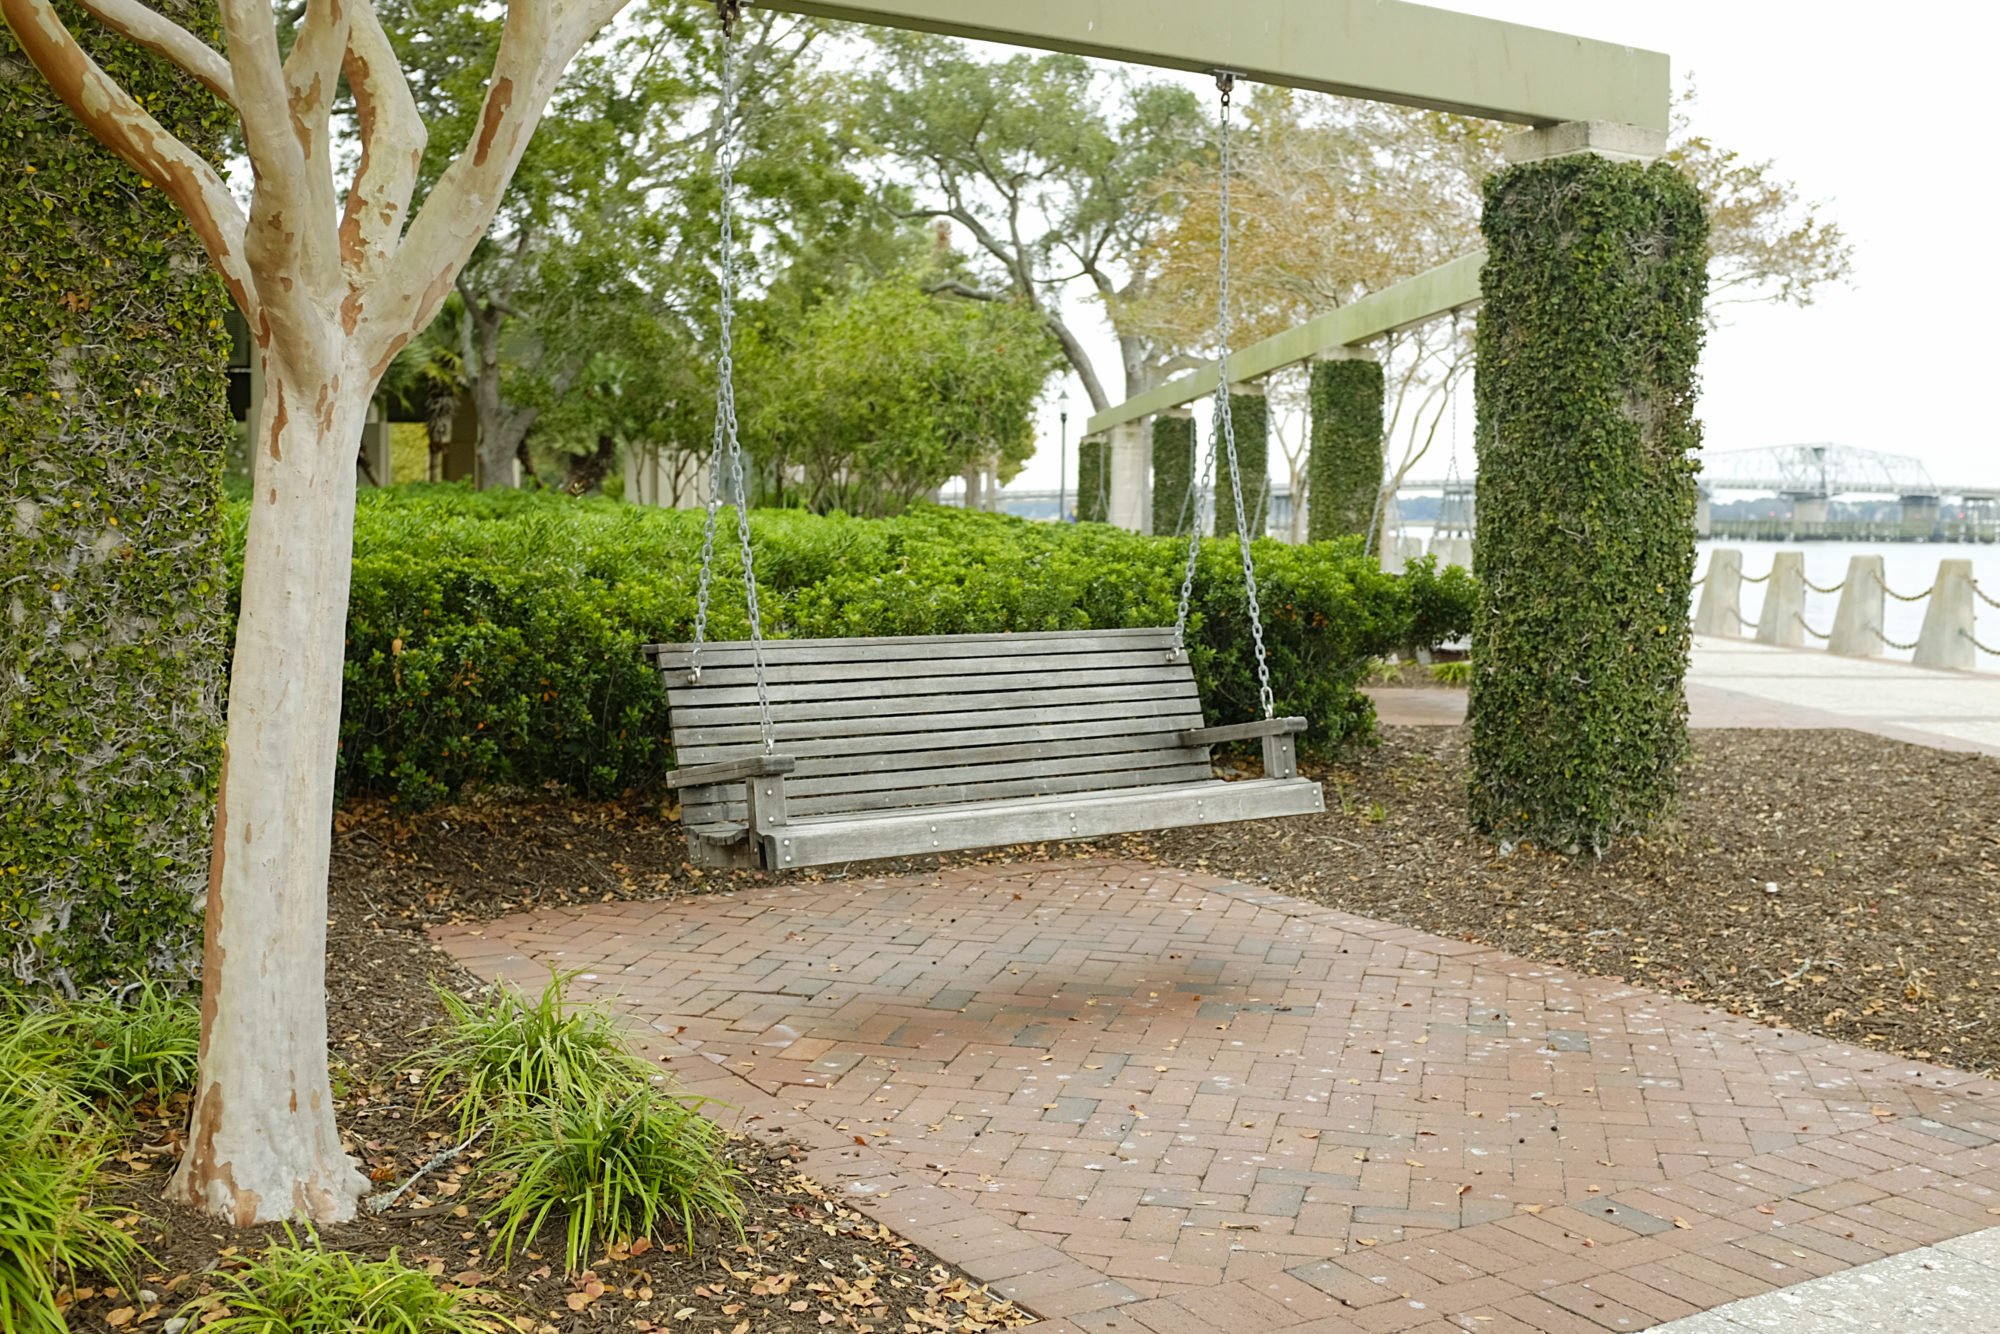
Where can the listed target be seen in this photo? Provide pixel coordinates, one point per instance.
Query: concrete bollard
(1452, 551)
(1946, 639)
(1721, 607)
(1784, 601)
(1858, 621)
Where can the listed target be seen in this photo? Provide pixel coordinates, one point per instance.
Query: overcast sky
(1880, 113)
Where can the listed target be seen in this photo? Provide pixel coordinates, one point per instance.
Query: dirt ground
(1828, 881)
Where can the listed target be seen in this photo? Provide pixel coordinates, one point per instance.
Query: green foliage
(49, 1228)
(505, 1048)
(1174, 472)
(617, 1162)
(1344, 464)
(882, 394)
(123, 1047)
(1251, 414)
(113, 415)
(306, 1289)
(494, 638)
(1093, 480)
(1588, 340)
(1452, 673)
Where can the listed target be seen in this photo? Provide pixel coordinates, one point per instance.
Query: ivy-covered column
(1093, 480)
(1251, 412)
(1344, 455)
(1174, 470)
(113, 417)
(1595, 276)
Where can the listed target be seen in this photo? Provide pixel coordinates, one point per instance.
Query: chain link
(1817, 589)
(726, 461)
(1908, 597)
(1877, 632)
(1759, 579)
(1800, 618)
(1990, 652)
(1225, 431)
(1980, 593)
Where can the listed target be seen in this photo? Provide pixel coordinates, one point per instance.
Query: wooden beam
(1440, 291)
(1383, 50)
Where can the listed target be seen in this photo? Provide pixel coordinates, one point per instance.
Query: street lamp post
(1062, 456)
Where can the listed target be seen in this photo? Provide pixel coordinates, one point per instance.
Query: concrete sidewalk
(1737, 683)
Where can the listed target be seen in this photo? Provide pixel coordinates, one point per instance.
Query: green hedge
(1174, 472)
(495, 638)
(1093, 480)
(1252, 415)
(113, 418)
(1344, 464)
(1594, 281)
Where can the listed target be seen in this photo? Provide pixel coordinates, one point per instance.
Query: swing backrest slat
(889, 723)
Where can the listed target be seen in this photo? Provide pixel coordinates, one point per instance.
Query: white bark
(262, 1145)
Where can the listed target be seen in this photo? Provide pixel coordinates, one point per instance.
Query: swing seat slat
(898, 746)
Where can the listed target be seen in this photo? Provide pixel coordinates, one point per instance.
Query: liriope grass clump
(302, 1288)
(616, 1163)
(585, 1133)
(505, 1047)
(50, 1227)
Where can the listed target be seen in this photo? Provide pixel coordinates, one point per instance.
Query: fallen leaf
(1682, 1222)
(120, 1318)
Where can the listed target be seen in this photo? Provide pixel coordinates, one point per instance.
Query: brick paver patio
(1137, 1099)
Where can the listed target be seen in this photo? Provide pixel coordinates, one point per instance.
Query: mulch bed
(806, 1263)
(1828, 881)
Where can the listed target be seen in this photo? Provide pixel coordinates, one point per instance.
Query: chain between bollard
(1759, 579)
(1989, 652)
(1800, 618)
(1817, 589)
(1907, 648)
(1909, 597)
(1980, 593)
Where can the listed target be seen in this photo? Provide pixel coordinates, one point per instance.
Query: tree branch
(157, 33)
(392, 147)
(281, 209)
(123, 126)
(311, 71)
(537, 42)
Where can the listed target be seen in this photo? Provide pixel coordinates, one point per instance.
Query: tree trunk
(262, 1145)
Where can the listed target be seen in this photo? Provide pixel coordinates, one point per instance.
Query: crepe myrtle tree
(333, 288)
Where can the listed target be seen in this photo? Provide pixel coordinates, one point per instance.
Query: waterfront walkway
(1737, 683)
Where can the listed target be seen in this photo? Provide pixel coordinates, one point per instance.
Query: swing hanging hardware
(729, 11)
(1225, 82)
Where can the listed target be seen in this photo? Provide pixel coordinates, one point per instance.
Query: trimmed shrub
(1252, 416)
(1093, 480)
(1344, 462)
(113, 418)
(494, 638)
(1174, 475)
(1592, 324)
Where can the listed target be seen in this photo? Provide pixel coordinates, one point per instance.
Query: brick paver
(1138, 1099)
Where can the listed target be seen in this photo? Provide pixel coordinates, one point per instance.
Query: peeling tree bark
(332, 290)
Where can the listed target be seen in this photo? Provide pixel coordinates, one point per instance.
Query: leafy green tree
(878, 395)
(611, 218)
(1044, 165)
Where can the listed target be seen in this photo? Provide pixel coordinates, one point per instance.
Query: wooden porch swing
(809, 752)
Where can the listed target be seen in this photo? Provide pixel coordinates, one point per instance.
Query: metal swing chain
(1225, 429)
(728, 450)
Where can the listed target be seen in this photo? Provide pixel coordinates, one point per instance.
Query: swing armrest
(731, 771)
(1211, 736)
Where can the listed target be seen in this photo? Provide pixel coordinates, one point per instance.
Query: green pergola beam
(1383, 50)
(1413, 301)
